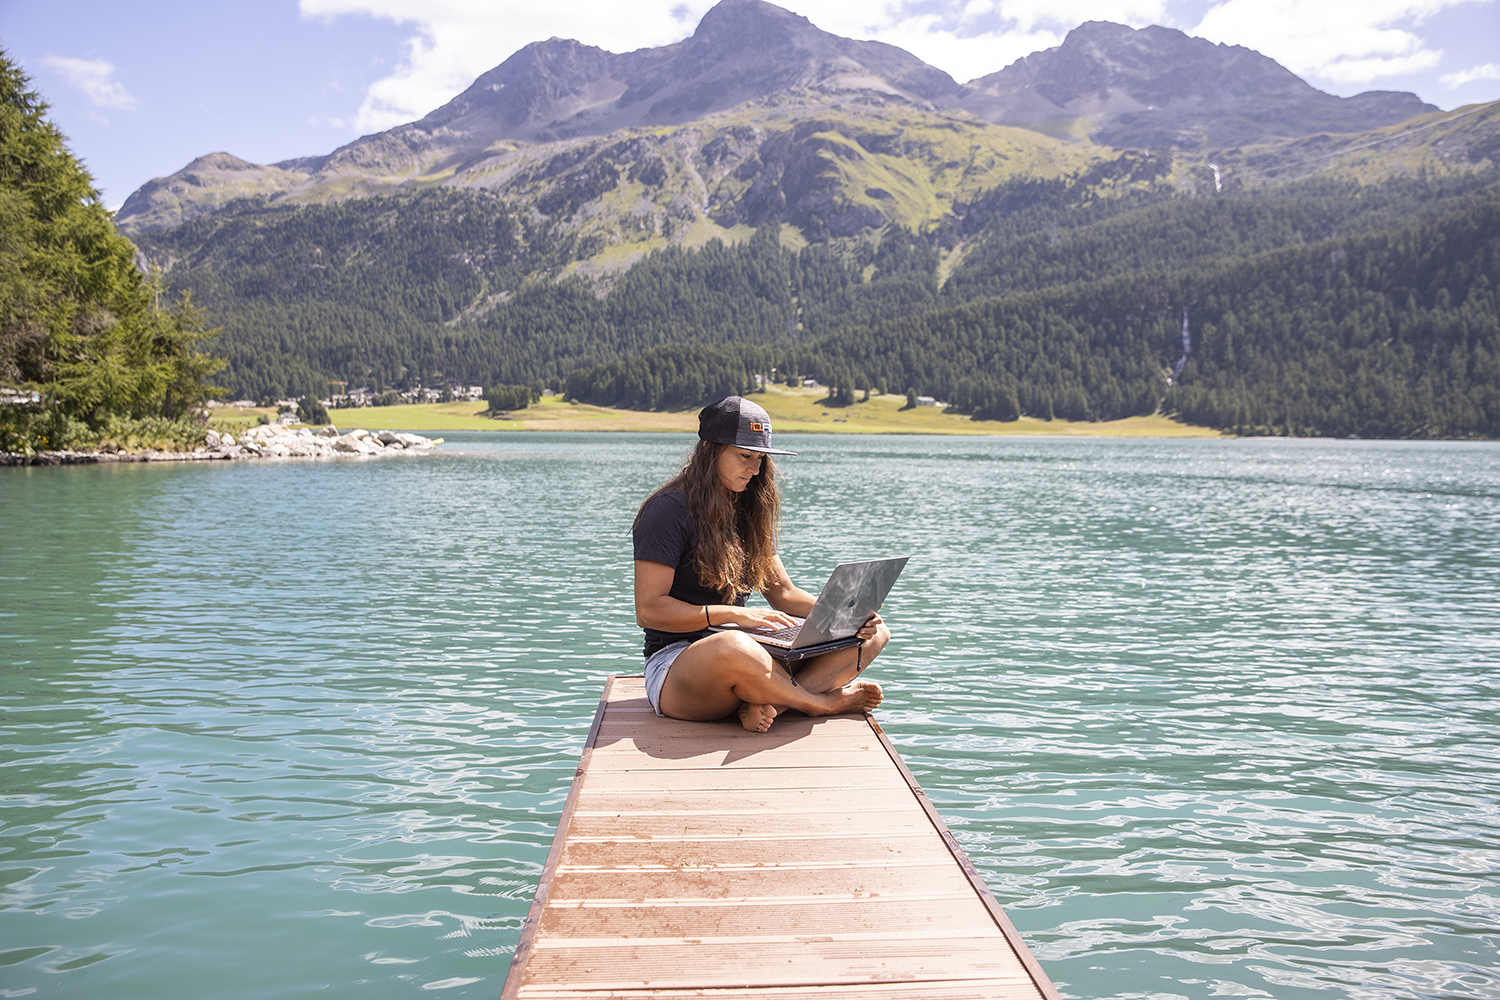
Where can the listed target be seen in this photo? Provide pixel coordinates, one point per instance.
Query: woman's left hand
(867, 630)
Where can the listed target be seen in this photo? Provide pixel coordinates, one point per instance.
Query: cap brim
(764, 451)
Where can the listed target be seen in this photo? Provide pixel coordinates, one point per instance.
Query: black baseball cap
(737, 421)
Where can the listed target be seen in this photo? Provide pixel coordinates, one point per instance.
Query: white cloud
(965, 57)
(1343, 41)
(454, 41)
(1026, 16)
(95, 78)
(968, 40)
(1489, 71)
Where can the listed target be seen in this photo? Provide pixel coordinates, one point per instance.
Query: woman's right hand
(766, 618)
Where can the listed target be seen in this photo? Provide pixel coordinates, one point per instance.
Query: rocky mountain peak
(747, 49)
(221, 161)
(752, 23)
(538, 84)
(1152, 87)
(742, 50)
(1157, 86)
(1140, 68)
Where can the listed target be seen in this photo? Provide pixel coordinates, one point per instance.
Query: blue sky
(142, 88)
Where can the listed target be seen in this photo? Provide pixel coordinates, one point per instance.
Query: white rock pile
(264, 441)
(276, 441)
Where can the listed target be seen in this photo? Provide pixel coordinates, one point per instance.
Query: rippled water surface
(1213, 718)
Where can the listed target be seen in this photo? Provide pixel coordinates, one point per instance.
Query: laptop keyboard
(790, 632)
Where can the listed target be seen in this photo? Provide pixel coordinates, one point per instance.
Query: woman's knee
(730, 655)
(745, 655)
(702, 681)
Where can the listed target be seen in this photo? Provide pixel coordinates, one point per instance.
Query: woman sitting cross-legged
(703, 542)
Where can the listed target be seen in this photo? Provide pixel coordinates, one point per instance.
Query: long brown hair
(736, 532)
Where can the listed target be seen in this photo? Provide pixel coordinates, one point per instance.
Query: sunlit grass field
(792, 410)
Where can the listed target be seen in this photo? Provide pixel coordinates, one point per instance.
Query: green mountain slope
(1390, 332)
(1059, 298)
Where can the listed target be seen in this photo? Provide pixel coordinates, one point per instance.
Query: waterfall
(1187, 345)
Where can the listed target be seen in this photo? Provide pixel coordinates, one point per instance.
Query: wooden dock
(696, 859)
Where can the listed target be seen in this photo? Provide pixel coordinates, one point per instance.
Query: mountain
(742, 50)
(652, 226)
(207, 184)
(749, 80)
(1156, 87)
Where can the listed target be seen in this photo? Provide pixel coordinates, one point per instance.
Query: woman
(702, 543)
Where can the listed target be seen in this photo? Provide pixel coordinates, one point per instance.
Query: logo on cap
(761, 427)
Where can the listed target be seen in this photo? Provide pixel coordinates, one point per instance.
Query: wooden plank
(616, 759)
(627, 782)
(624, 723)
(695, 859)
(678, 825)
(801, 882)
(848, 849)
(760, 961)
(968, 989)
(751, 801)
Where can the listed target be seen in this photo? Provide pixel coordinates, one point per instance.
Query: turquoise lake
(1211, 717)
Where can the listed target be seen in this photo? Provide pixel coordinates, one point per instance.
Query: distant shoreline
(792, 410)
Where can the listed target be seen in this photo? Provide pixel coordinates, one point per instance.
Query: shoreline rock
(262, 441)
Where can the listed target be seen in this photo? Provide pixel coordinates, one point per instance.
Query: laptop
(852, 594)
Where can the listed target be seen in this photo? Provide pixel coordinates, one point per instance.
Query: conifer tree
(79, 325)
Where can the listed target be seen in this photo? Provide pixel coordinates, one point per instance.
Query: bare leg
(823, 674)
(838, 668)
(715, 676)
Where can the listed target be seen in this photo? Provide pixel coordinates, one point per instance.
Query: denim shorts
(657, 665)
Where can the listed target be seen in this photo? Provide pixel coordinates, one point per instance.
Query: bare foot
(859, 696)
(757, 718)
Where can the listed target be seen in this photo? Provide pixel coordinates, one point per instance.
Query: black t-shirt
(664, 534)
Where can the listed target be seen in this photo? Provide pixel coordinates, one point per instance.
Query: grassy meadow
(792, 410)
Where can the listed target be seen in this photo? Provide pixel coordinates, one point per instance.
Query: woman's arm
(783, 595)
(787, 596)
(656, 608)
